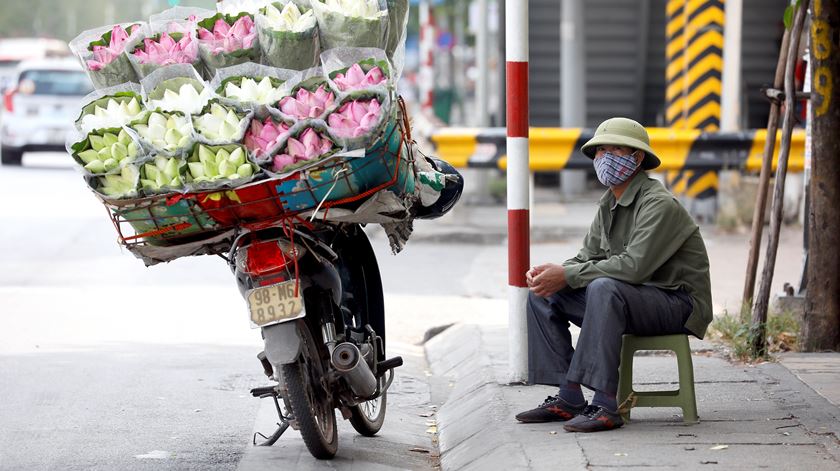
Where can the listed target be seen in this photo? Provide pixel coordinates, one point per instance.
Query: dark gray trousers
(605, 310)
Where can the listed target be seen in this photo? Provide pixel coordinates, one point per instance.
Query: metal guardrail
(554, 149)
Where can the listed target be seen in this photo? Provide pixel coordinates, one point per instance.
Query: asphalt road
(107, 364)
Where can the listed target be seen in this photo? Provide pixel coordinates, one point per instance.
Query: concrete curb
(474, 414)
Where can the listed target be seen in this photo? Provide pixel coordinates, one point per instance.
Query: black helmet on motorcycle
(449, 195)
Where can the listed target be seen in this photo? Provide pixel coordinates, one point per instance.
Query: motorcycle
(314, 290)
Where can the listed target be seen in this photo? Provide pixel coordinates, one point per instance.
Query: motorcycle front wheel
(367, 418)
(310, 404)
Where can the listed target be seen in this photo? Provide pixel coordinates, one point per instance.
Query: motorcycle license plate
(275, 303)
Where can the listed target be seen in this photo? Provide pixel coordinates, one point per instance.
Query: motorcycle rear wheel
(367, 418)
(311, 405)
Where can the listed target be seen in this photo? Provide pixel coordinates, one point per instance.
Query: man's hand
(545, 280)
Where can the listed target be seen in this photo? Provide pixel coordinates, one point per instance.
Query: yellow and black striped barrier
(554, 149)
(694, 54)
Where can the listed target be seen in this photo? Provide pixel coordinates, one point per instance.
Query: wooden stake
(759, 317)
(763, 182)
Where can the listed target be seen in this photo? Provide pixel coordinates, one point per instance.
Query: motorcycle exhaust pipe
(348, 360)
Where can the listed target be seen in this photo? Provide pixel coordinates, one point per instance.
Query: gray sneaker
(594, 419)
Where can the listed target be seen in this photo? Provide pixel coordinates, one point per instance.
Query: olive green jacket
(647, 238)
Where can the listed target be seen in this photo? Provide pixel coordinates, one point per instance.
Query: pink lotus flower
(306, 104)
(226, 38)
(355, 118)
(166, 51)
(310, 146)
(262, 136)
(356, 78)
(104, 55)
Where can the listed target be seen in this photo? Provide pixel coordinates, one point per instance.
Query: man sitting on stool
(643, 270)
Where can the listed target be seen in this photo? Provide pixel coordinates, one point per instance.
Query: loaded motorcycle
(315, 291)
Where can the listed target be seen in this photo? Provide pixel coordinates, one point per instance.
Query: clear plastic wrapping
(164, 42)
(296, 49)
(96, 113)
(219, 167)
(247, 89)
(225, 40)
(339, 25)
(110, 66)
(397, 26)
(165, 89)
(372, 124)
(337, 64)
(228, 125)
(104, 151)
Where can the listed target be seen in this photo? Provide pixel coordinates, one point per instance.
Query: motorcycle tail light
(8, 102)
(265, 258)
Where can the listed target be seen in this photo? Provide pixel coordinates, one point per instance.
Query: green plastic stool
(683, 397)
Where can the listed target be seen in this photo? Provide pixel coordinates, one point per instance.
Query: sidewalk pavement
(777, 415)
(751, 417)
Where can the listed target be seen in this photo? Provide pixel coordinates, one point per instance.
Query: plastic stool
(683, 397)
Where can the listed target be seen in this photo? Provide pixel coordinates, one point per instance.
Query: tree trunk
(821, 329)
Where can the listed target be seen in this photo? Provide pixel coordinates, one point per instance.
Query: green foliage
(788, 16)
(781, 333)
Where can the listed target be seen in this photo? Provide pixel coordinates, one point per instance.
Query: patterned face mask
(613, 170)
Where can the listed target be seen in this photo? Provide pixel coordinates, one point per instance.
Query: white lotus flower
(121, 184)
(219, 124)
(168, 132)
(368, 9)
(115, 114)
(108, 152)
(249, 91)
(208, 165)
(290, 19)
(164, 172)
(187, 99)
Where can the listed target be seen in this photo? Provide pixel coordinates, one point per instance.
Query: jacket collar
(629, 195)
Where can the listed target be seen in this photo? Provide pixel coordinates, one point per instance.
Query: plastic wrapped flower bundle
(105, 151)
(162, 174)
(164, 132)
(185, 95)
(351, 23)
(103, 54)
(225, 40)
(110, 112)
(288, 35)
(263, 91)
(118, 185)
(307, 104)
(355, 118)
(309, 146)
(263, 136)
(165, 49)
(218, 164)
(360, 75)
(219, 124)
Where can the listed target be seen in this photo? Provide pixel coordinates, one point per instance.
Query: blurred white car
(15, 50)
(40, 107)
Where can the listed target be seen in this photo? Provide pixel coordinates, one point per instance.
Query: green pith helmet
(622, 132)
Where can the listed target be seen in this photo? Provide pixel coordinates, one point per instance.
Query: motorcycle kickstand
(282, 426)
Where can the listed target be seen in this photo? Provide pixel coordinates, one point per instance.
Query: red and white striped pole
(426, 75)
(516, 47)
